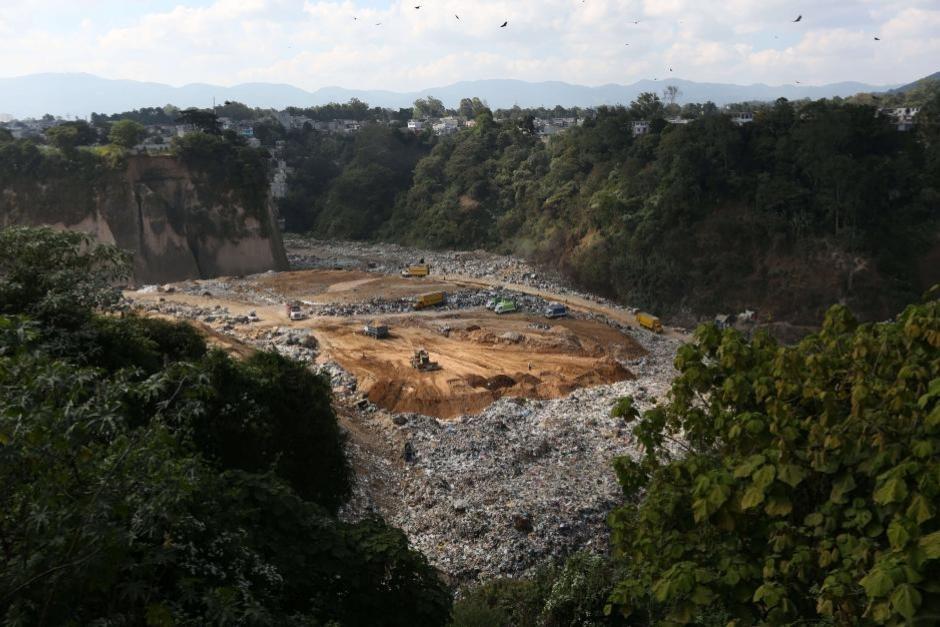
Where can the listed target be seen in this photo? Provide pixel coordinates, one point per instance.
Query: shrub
(785, 484)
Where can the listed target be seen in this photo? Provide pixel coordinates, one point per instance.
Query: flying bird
(457, 16)
(798, 18)
(504, 24)
(418, 7)
(877, 38)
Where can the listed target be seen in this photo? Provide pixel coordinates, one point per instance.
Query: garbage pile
(498, 493)
(296, 343)
(309, 254)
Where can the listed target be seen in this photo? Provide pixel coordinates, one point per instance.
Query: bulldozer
(422, 361)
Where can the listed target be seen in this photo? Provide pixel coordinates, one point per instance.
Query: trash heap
(498, 493)
(296, 343)
(311, 254)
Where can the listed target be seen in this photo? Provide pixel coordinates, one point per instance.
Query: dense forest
(813, 202)
(149, 479)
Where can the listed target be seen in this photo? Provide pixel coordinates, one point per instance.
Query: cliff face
(159, 211)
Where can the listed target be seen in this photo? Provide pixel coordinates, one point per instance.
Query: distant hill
(81, 94)
(919, 83)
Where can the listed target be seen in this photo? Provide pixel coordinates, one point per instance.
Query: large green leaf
(753, 497)
(891, 491)
(905, 600)
(931, 545)
(877, 583)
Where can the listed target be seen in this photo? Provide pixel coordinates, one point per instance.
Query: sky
(373, 44)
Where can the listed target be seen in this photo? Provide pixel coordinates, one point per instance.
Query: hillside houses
(902, 117)
(25, 129)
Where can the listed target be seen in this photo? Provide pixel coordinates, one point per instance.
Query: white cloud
(312, 43)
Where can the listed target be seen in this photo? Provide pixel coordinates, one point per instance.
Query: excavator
(422, 361)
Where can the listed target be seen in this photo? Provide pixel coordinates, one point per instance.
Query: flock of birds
(799, 18)
(503, 25)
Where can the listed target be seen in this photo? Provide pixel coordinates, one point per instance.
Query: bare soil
(483, 356)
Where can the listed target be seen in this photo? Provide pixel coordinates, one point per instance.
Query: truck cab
(556, 310)
(505, 306)
(294, 311)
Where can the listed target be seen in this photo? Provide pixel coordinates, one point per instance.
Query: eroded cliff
(177, 225)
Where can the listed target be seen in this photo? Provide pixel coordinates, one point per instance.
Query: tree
(57, 277)
(236, 111)
(205, 121)
(671, 93)
(126, 133)
(465, 109)
(429, 107)
(471, 107)
(147, 480)
(70, 135)
(784, 484)
(647, 106)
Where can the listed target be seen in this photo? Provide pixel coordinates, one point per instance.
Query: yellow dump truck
(649, 321)
(432, 299)
(421, 269)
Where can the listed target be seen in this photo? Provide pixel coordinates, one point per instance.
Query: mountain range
(77, 95)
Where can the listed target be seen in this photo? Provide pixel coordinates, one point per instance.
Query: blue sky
(313, 43)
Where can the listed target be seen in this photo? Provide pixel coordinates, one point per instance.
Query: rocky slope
(157, 209)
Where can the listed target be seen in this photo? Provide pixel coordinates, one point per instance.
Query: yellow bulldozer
(422, 361)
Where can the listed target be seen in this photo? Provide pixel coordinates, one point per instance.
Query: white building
(446, 126)
(416, 126)
(742, 117)
(903, 117)
(640, 127)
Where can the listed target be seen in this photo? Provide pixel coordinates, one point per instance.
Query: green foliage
(429, 107)
(148, 481)
(202, 119)
(573, 594)
(811, 203)
(57, 276)
(805, 485)
(284, 420)
(347, 186)
(355, 109)
(144, 115)
(236, 111)
(223, 165)
(126, 133)
(70, 135)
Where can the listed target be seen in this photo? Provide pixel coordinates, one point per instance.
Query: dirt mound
(606, 371)
(499, 382)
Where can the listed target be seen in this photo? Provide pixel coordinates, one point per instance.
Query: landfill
(495, 493)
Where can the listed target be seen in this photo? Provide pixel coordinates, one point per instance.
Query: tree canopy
(126, 133)
(150, 480)
(810, 203)
(788, 483)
